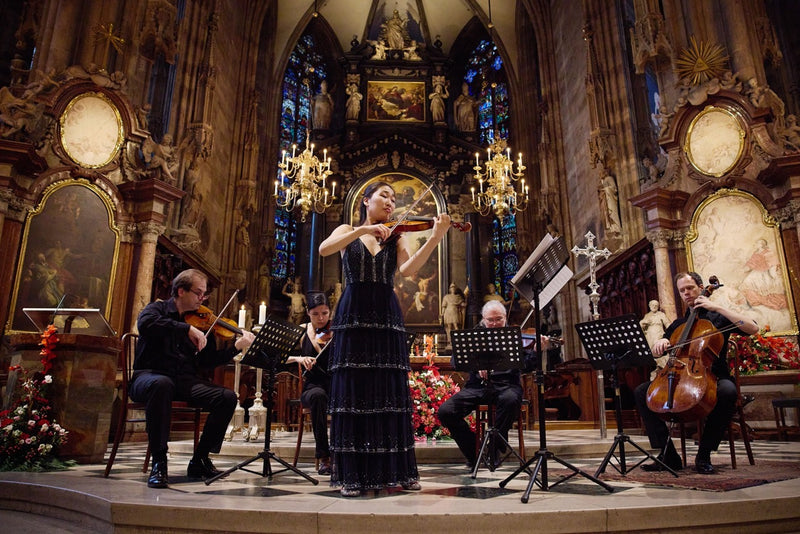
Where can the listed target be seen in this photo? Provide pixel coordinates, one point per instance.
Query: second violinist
(690, 288)
(372, 437)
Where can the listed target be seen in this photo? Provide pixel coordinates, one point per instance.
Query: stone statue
(380, 49)
(453, 305)
(394, 31)
(654, 324)
(791, 133)
(609, 203)
(353, 102)
(264, 278)
(491, 294)
(241, 250)
(191, 216)
(466, 110)
(161, 156)
(437, 101)
(323, 107)
(297, 308)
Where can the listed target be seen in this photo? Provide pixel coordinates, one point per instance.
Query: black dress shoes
(671, 459)
(703, 465)
(324, 466)
(202, 468)
(158, 475)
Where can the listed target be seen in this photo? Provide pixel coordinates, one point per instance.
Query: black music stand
(543, 275)
(613, 344)
(272, 344)
(89, 321)
(492, 349)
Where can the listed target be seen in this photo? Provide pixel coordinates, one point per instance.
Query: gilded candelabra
(303, 181)
(496, 192)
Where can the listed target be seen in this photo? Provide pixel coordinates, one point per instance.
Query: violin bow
(410, 208)
(211, 328)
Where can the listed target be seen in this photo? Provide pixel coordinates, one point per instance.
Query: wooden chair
(738, 423)
(179, 408)
(300, 415)
(779, 407)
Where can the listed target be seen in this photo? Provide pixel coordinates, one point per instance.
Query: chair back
(126, 358)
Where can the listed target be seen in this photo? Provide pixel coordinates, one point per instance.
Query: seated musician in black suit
(504, 391)
(316, 380)
(690, 287)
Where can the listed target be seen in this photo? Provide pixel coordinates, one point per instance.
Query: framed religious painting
(733, 237)
(69, 253)
(400, 101)
(419, 295)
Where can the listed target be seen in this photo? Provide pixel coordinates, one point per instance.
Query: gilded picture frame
(714, 141)
(69, 253)
(732, 236)
(420, 295)
(91, 130)
(396, 101)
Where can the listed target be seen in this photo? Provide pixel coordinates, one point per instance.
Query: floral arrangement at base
(429, 389)
(29, 436)
(761, 353)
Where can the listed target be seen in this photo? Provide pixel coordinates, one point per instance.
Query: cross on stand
(593, 253)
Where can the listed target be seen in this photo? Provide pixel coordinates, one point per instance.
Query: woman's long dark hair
(371, 188)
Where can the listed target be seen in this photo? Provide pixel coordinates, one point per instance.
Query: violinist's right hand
(660, 346)
(197, 337)
(380, 231)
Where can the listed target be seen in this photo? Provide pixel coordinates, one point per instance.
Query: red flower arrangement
(29, 437)
(429, 389)
(761, 353)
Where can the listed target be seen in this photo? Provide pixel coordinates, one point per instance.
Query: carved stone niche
(721, 139)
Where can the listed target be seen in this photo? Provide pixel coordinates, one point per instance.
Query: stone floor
(82, 500)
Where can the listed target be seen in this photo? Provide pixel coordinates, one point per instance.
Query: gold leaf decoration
(701, 62)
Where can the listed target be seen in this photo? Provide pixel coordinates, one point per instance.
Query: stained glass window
(504, 253)
(486, 74)
(304, 72)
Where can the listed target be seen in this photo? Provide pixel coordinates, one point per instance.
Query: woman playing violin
(690, 287)
(170, 356)
(372, 438)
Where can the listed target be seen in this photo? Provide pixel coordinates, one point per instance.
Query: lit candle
(333, 190)
(477, 160)
(473, 193)
(294, 147)
(436, 340)
(276, 188)
(242, 317)
(262, 313)
(480, 183)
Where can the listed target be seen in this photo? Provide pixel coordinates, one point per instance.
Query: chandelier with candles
(303, 182)
(496, 183)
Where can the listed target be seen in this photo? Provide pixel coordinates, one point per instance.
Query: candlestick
(262, 313)
(242, 317)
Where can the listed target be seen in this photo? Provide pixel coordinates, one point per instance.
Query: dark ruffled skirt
(372, 438)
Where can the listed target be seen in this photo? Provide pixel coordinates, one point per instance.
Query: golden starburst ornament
(701, 62)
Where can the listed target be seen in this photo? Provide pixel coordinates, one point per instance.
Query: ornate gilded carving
(649, 39)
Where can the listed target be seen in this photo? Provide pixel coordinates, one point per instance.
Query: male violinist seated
(690, 287)
(316, 380)
(170, 357)
(502, 388)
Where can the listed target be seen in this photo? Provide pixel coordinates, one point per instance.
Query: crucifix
(593, 253)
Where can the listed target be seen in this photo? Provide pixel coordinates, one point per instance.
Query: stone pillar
(739, 44)
(666, 294)
(144, 275)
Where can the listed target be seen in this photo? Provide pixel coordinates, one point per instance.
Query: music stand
(613, 344)
(87, 321)
(272, 344)
(542, 276)
(492, 349)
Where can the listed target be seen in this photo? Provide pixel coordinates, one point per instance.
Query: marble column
(149, 232)
(666, 295)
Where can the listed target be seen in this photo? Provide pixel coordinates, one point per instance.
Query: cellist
(690, 287)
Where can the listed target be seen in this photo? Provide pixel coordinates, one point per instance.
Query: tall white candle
(262, 313)
(242, 317)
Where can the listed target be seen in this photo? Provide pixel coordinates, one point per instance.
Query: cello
(686, 389)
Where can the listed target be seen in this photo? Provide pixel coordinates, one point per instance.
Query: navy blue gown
(372, 438)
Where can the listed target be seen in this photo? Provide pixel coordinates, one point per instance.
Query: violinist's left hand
(245, 341)
(441, 224)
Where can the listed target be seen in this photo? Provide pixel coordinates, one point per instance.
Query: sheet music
(521, 281)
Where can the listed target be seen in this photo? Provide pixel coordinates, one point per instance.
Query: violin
(414, 223)
(686, 389)
(203, 319)
(529, 339)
